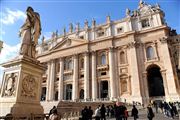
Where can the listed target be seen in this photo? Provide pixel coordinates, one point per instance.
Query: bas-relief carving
(29, 86)
(10, 84)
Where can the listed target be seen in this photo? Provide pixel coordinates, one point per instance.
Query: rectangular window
(100, 34)
(81, 37)
(82, 76)
(103, 73)
(145, 23)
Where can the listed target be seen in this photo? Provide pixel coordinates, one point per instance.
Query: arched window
(103, 59)
(150, 53)
(122, 58)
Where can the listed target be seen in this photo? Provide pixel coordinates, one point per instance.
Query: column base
(20, 109)
(138, 99)
(172, 98)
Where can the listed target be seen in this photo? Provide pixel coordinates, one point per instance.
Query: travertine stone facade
(132, 59)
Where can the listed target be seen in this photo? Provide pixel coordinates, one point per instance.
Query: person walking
(90, 113)
(54, 108)
(150, 113)
(84, 113)
(103, 111)
(125, 114)
(134, 112)
(119, 111)
(97, 113)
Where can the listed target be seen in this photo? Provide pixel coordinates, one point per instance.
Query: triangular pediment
(68, 42)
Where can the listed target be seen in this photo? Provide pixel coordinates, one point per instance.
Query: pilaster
(135, 79)
(171, 84)
(75, 79)
(112, 74)
(61, 84)
(94, 80)
(86, 75)
(52, 78)
(48, 80)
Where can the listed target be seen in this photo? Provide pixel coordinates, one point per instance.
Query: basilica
(134, 59)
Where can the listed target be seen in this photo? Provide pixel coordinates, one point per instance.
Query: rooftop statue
(29, 33)
(128, 12)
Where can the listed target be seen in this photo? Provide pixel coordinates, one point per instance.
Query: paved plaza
(143, 116)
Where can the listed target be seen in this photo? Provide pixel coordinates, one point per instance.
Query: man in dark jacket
(84, 113)
(103, 111)
(134, 112)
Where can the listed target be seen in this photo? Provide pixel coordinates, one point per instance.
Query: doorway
(155, 82)
(104, 89)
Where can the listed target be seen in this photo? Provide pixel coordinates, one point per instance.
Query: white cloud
(8, 52)
(11, 16)
(2, 32)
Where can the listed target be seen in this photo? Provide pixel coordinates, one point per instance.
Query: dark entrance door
(68, 92)
(104, 89)
(155, 82)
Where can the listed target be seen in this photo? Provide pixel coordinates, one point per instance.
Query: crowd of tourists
(168, 109)
(120, 112)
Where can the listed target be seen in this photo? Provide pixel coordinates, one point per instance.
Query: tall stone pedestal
(21, 87)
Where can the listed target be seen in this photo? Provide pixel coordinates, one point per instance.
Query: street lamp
(1, 45)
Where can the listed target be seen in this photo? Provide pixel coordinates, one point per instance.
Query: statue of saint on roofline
(29, 33)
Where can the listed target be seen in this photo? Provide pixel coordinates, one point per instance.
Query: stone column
(61, 84)
(51, 84)
(86, 76)
(170, 76)
(135, 79)
(112, 74)
(163, 73)
(48, 80)
(75, 79)
(94, 80)
(145, 89)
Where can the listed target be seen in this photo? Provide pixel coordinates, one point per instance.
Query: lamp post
(1, 45)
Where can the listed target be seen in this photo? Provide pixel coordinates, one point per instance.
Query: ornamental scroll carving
(10, 84)
(29, 86)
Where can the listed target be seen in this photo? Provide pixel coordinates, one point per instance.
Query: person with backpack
(134, 112)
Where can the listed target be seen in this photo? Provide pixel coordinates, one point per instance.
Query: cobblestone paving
(143, 116)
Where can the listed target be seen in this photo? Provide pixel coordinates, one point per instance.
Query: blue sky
(57, 14)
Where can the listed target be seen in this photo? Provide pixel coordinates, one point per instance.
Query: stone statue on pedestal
(29, 33)
(21, 88)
